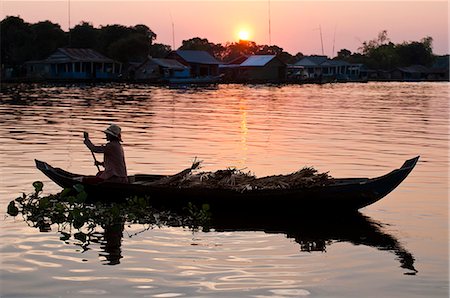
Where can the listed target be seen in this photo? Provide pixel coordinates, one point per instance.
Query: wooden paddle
(86, 136)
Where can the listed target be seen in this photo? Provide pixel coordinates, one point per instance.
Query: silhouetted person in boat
(114, 158)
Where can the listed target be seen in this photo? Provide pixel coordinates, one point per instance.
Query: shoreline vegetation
(117, 53)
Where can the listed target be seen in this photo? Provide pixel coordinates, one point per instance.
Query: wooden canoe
(347, 194)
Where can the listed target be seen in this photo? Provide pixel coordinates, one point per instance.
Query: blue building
(74, 64)
(311, 66)
(320, 67)
(159, 70)
(201, 63)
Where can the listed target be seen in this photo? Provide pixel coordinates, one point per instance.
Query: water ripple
(351, 130)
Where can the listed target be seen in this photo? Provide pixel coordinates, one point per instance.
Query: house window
(61, 68)
(86, 67)
(204, 70)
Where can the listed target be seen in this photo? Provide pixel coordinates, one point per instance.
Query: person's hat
(114, 130)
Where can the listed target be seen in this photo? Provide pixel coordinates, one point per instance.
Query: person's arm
(99, 163)
(91, 146)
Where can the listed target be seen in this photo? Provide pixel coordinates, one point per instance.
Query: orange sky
(294, 24)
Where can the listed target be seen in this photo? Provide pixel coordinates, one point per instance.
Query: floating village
(200, 67)
(43, 52)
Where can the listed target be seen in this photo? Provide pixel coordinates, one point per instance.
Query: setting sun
(244, 35)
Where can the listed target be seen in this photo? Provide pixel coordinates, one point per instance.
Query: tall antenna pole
(70, 35)
(334, 40)
(173, 36)
(321, 39)
(173, 33)
(270, 37)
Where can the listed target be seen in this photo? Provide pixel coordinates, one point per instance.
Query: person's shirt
(114, 159)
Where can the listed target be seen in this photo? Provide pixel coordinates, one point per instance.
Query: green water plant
(72, 214)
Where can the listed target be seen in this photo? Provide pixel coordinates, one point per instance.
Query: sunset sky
(294, 24)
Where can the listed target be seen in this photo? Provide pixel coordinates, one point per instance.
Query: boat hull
(348, 194)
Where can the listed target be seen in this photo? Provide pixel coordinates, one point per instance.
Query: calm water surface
(350, 130)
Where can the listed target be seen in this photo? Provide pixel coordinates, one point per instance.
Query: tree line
(381, 53)
(22, 41)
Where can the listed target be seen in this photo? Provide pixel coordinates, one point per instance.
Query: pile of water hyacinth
(236, 179)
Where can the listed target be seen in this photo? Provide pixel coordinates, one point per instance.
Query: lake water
(350, 130)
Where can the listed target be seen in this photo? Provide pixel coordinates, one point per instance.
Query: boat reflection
(104, 224)
(315, 233)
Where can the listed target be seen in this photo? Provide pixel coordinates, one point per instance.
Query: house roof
(335, 63)
(62, 55)
(441, 62)
(414, 69)
(312, 61)
(168, 63)
(201, 57)
(238, 60)
(258, 60)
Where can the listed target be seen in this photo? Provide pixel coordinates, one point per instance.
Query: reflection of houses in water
(74, 64)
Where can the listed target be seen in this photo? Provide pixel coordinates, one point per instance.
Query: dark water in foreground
(397, 247)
